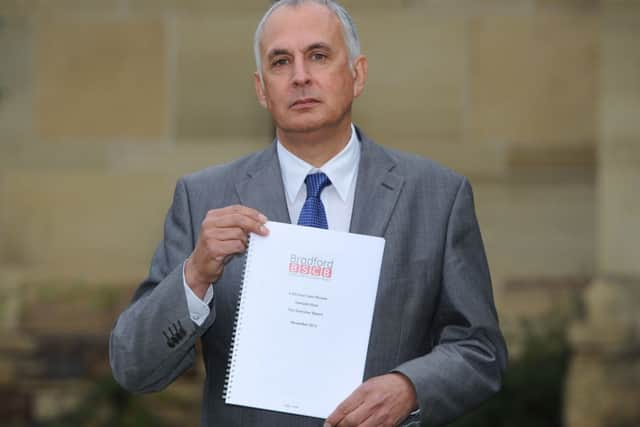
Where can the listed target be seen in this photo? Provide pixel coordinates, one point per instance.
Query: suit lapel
(377, 190)
(262, 188)
(376, 194)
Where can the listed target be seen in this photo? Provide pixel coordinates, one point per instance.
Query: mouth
(304, 103)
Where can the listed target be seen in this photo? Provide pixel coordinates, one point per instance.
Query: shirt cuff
(198, 308)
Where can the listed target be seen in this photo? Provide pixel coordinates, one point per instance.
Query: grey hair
(348, 27)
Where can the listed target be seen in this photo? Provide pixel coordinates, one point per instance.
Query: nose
(301, 76)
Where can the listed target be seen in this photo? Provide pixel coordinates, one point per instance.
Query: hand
(224, 232)
(382, 401)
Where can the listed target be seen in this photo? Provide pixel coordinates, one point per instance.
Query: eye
(280, 62)
(318, 57)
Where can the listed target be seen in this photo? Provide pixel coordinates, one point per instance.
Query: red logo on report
(314, 267)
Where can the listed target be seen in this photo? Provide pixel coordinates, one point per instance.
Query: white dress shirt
(337, 198)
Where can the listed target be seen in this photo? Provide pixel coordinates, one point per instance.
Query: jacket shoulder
(423, 170)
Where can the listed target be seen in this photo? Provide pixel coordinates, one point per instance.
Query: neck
(316, 147)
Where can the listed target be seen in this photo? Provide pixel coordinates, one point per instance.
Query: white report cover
(304, 319)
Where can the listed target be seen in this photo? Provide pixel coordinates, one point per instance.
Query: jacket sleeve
(469, 355)
(153, 340)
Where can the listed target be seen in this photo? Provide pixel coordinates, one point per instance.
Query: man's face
(308, 84)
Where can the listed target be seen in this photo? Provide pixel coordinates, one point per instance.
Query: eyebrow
(279, 51)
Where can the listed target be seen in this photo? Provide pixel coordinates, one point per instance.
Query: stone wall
(104, 103)
(607, 340)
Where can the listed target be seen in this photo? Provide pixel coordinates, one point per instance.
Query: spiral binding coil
(231, 364)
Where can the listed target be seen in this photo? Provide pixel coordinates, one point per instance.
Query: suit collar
(377, 187)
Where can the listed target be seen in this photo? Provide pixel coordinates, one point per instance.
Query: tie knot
(316, 183)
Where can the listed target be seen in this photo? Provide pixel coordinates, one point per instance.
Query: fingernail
(264, 229)
(263, 218)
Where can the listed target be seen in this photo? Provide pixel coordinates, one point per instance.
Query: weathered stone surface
(186, 157)
(252, 8)
(417, 96)
(537, 299)
(81, 225)
(52, 401)
(603, 392)
(612, 325)
(568, 6)
(110, 76)
(35, 156)
(64, 7)
(619, 211)
(473, 7)
(215, 85)
(535, 227)
(15, 77)
(559, 156)
(620, 71)
(533, 80)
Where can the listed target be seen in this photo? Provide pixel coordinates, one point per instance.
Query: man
(435, 349)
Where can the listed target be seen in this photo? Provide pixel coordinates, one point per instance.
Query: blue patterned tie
(312, 213)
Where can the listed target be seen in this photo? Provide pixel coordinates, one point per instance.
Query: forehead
(300, 26)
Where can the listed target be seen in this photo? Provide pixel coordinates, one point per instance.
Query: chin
(302, 126)
(308, 124)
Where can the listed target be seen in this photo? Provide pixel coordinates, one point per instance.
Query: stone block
(415, 89)
(15, 80)
(619, 208)
(54, 401)
(523, 157)
(620, 71)
(252, 8)
(35, 156)
(541, 298)
(215, 92)
(101, 78)
(474, 8)
(63, 7)
(81, 225)
(568, 6)
(537, 227)
(611, 328)
(187, 157)
(533, 80)
(602, 393)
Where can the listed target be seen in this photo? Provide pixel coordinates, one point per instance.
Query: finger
(246, 223)
(241, 210)
(221, 234)
(345, 408)
(362, 416)
(221, 249)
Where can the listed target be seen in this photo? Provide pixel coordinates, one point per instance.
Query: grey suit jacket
(434, 317)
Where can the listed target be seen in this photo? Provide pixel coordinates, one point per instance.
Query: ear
(360, 68)
(262, 99)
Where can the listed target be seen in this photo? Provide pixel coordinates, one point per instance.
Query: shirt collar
(341, 169)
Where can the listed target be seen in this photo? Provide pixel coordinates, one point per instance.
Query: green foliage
(533, 387)
(108, 405)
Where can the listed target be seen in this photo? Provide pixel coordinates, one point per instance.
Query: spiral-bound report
(304, 319)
